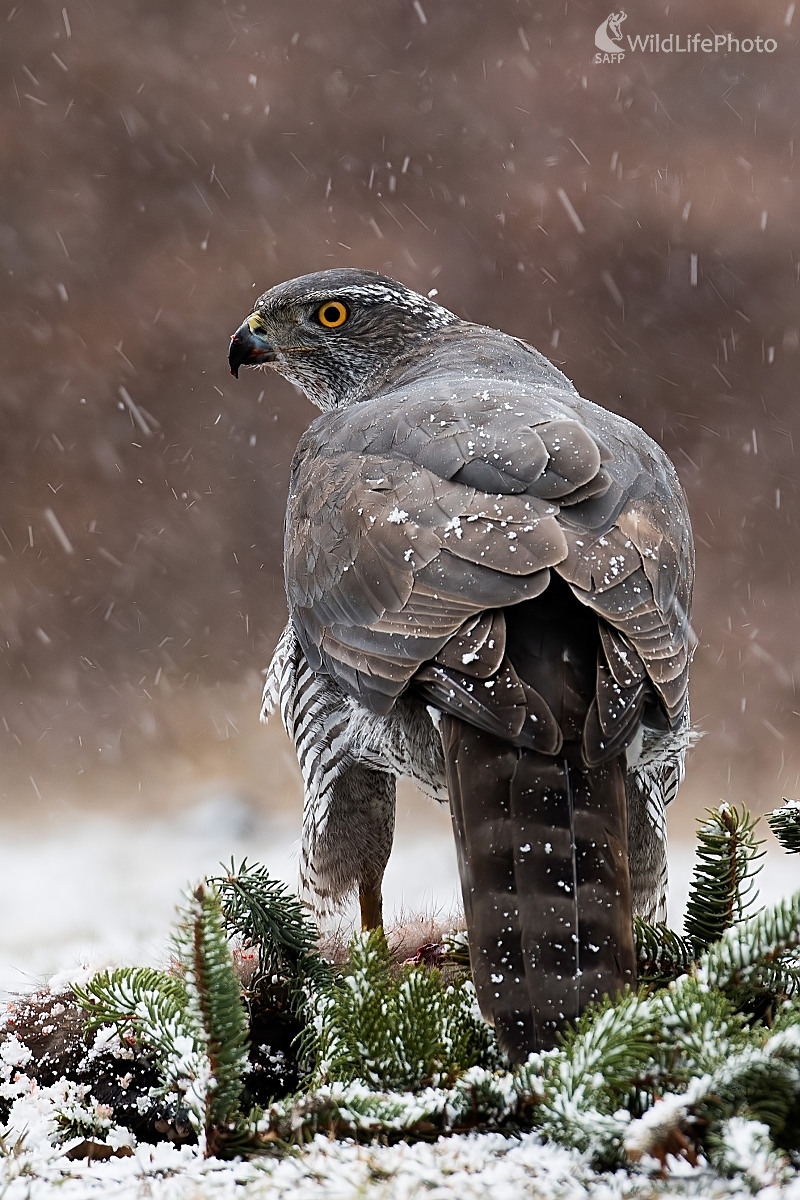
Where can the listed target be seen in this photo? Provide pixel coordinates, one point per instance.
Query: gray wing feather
(396, 545)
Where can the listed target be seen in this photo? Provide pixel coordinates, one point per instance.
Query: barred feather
(336, 740)
(331, 732)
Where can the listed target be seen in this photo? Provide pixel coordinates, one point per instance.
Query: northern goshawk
(489, 582)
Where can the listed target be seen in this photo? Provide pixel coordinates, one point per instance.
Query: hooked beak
(248, 347)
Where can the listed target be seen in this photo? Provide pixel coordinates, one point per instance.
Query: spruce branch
(606, 1049)
(194, 1023)
(661, 954)
(722, 887)
(420, 1015)
(743, 1147)
(772, 982)
(150, 1007)
(745, 949)
(266, 915)
(700, 1028)
(478, 1100)
(668, 1128)
(216, 1017)
(351, 1018)
(785, 824)
(393, 1029)
(139, 1001)
(761, 1082)
(469, 1041)
(601, 1062)
(787, 1015)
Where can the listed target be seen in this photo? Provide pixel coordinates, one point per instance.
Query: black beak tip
(234, 360)
(247, 348)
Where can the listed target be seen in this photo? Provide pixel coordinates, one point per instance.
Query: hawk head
(337, 335)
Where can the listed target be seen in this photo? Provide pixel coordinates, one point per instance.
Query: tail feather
(542, 847)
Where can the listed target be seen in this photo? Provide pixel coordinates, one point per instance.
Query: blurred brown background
(162, 164)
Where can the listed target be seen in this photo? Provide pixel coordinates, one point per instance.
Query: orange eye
(332, 314)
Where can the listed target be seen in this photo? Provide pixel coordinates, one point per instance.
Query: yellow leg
(371, 901)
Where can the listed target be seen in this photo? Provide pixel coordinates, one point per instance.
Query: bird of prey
(489, 581)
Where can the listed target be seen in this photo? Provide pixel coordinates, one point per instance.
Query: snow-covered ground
(470, 1167)
(101, 889)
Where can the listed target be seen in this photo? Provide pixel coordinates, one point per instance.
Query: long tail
(542, 850)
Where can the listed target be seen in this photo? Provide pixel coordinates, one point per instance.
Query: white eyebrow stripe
(378, 292)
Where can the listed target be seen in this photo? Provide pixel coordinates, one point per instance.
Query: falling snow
(165, 164)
